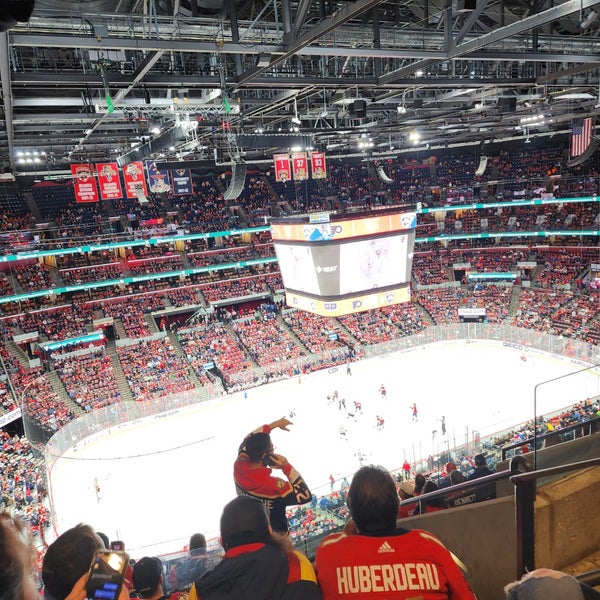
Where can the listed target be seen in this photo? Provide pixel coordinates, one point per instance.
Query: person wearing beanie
(258, 564)
(252, 473)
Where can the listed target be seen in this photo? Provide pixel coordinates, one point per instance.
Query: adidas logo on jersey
(385, 547)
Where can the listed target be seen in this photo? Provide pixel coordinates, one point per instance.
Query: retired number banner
(282, 167)
(300, 164)
(319, 168)
(84, 183)
(133, 174)
(109, 181)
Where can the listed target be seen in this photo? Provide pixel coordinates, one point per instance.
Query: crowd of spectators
(154, 369)
(79, 275)
(89, 379)
(269, 337)
(213, 342)
(267, 340)
(22, 486)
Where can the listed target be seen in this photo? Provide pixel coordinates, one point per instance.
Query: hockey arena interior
(164, 293)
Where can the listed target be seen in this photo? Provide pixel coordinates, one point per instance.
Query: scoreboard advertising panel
(341, 265)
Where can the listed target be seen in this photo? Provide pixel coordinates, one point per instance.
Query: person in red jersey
(372, 558)
(252, 473)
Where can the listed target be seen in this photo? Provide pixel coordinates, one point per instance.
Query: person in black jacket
(258, 564)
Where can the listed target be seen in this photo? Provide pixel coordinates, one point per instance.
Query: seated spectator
(486, 491)
(481, 469)
(148, 578)
(194, 565)
(420, 482)
(17, 560)
(257, 564)
(457, 477)
(406, 490)
(67, 561)
(415, 563)
(547, 584)
(446, 481)
(430, 504)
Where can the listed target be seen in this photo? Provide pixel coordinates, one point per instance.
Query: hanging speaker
(507, 105)
(238, 179)
(358, 109)
(482, 165)
(13, 12)
(382, 175)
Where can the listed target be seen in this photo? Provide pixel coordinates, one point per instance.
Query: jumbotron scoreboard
(334, 264)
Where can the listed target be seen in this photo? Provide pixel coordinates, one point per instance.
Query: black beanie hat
(244, 521)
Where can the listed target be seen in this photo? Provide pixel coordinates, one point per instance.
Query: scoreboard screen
(346, 264)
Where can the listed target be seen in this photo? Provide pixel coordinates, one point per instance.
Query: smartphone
(117, 545)
(269, 461)
(106, 574)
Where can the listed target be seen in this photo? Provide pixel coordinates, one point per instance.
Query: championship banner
(318, 166)
(182, 182)
(135, 182)
(282, 167)
(109, 181)
(300, 166)
(84, 183)
(158, 181)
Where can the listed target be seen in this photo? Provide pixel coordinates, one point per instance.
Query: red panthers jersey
(403, 565)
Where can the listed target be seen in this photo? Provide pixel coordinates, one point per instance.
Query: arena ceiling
(236, 80)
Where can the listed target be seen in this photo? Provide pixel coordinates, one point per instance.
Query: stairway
(111, 352)
(179, 351)
(32, 206)
(152, 326)
(119, 329)
(61, 392)
(17, 353)
(514, 301)
(296, 339)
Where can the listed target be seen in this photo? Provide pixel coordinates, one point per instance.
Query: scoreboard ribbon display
(347, 265)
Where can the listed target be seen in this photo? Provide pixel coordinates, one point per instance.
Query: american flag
(581, 136)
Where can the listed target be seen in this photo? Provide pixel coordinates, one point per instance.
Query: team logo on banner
(84, 183)
(182, 182)
(158, 181)
(317, 163)
(133, 174)
(109, 181)
(300, 164)
(282, 167)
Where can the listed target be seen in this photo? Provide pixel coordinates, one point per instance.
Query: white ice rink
(162, 480)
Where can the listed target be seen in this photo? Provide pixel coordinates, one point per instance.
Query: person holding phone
(252, 473)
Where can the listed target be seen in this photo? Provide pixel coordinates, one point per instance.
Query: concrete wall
(567, 520)
(483, 535)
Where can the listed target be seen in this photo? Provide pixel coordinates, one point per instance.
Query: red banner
(300, 166)
(318, 166)
(135, 182)
(108, 179)
(84, 183)
(282, 167)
